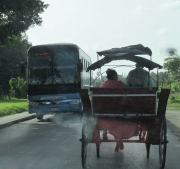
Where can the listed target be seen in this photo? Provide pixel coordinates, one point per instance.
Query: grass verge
(12, 106)
(174, 102)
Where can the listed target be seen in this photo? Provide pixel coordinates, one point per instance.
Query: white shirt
(139, 78)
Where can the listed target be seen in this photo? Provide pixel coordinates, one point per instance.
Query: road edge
(17, 121)
(174, 129)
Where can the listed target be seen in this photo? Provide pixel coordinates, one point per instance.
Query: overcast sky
(96, 25)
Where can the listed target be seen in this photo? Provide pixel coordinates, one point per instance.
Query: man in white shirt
(139, 78)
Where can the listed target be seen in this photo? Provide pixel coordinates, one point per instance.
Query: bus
(55, 73)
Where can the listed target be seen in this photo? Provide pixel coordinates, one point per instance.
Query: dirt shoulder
(173, 121)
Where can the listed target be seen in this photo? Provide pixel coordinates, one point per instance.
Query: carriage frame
(125, 113)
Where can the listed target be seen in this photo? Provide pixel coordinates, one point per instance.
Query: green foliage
(12, 106)
(171, 77)
(164, 80)
(18, 15)
(161, 80)
(172, 65)
(11, 56)
(175, 87)
(19, 86)
(174, 101)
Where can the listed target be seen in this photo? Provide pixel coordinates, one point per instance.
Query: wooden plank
(163, 98)
(124, 101)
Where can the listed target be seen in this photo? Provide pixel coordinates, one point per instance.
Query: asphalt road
(53, 144)
(173, 121)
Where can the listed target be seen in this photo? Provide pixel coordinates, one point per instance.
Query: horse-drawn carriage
(130, 114)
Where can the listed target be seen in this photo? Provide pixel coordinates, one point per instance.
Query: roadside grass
(174, 102)
(12, 106)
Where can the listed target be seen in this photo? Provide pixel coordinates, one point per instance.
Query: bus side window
(84, 64)
(80, 66)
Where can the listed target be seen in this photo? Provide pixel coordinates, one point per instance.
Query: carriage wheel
(97, 149)
(148, 145)
(162, 144)
(98, 146)
(39, 116)
(84, 143)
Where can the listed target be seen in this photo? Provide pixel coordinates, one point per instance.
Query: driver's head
(139, 65)
(111, 74)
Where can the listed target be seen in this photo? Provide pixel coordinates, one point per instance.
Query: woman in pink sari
(112, 81)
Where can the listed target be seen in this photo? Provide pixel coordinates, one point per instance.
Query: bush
(19, 86)
(174, 101)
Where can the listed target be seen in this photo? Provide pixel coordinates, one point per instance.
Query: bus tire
(39, 116)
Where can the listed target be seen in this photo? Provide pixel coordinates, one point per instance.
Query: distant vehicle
(55, 74)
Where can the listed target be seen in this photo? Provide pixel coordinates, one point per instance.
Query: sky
(96, 25)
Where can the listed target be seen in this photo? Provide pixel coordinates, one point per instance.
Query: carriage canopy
(126, 53)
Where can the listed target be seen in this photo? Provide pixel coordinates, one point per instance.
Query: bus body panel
(57, 103)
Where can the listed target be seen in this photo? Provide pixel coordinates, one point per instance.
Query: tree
(19, 85)
(162, 79)
(11, 55)
(172, 65)
(18, 15)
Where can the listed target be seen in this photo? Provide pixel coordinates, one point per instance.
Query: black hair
(111, 73)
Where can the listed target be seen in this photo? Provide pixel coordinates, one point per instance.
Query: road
(53, 144)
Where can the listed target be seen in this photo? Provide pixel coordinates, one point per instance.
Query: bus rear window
(40, 57)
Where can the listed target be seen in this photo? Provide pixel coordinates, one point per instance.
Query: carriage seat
(124, 101)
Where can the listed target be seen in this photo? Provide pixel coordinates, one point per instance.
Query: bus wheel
(39, 116)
